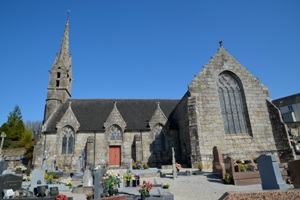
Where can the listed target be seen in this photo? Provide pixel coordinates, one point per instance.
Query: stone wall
(206, 117)
(283, 143)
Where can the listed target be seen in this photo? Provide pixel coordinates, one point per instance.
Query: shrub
(228, 179)
(238, 161)
(145, 166)
(200, 166)
(134, 165)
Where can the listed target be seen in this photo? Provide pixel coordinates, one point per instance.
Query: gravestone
(10, 181)
(37, 178)
(99, 187)
(218, 163)
(54, 191)
(87, 178)
(130, 168)
(174, 164)
(270, 174)
(3, 166)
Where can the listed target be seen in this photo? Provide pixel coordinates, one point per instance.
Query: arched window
(233, 104)
(115, 133)
(67, 140)
(159, 138)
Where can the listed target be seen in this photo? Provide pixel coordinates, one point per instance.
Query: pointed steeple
(60, 83)
(64, 52)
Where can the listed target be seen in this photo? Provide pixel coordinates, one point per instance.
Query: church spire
(60, 83)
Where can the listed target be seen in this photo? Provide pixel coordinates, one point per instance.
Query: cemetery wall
(208, 120)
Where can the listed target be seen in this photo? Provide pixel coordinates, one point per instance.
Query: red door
(115, 155)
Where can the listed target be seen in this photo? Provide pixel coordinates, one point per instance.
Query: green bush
(228, 179)
(200, 166)
(145, 166)
(134, 165)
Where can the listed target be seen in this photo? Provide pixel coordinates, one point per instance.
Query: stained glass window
(67, 140)
(233, 104)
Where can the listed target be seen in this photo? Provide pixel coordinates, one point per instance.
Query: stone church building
(224, 106)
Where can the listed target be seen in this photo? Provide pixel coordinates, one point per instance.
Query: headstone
(54, 191)
(122, 182)
(87, 178)
(270, 175)
(131, 161)
(294, 168)
(218, 163)
(99, 183)
(174, 164)
(9, 181)
(37, 178)
(3, 166)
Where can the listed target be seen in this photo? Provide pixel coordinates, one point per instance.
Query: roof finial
(221, 43)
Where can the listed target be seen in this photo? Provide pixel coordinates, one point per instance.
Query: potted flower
(69, 183)
(178, 166)
(144, 189)
(111, 182)
(166, 185)
(127, 177)
(61, 197)
(137, 178)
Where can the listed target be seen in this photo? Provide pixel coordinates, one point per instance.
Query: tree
(17, 130)
(14, 117)
(28, 141)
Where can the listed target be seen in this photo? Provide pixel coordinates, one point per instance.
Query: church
(224, 106)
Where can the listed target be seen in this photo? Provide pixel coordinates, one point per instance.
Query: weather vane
(69, 13)
(221, 43)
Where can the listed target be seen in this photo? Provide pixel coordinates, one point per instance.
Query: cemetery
(140, 182)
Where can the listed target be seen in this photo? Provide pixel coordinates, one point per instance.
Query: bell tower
(60, 83)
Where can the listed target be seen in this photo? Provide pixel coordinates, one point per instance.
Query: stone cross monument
(3, 135)
(174, 164)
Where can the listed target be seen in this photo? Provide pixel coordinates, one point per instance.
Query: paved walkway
(202, 186)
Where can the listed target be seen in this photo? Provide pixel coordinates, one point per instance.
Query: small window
(58, 74)
(290, 107)
(115, 133)
(57, 83)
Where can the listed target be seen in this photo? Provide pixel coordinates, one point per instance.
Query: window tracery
(233, 104)
(67, 140)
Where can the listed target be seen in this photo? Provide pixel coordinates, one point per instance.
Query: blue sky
(142, 49)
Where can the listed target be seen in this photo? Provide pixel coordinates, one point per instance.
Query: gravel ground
(203, 186)
(195, 187)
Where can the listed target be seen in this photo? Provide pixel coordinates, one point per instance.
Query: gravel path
(203, 186)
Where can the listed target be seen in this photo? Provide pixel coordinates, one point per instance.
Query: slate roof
(92, 113)
(289, 100)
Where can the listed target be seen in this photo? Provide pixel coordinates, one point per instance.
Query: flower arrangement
(111, 181)
(178, 166)
(61, 197)
(127, 176)
(68, 183)
(145, 188)
(137, 176)
(166, 185)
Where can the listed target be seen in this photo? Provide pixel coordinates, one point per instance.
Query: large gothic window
(159, 138)
(67, 140)
(233, 104)
(115, 133)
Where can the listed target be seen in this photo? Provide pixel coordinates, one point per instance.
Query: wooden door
(114, 155)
